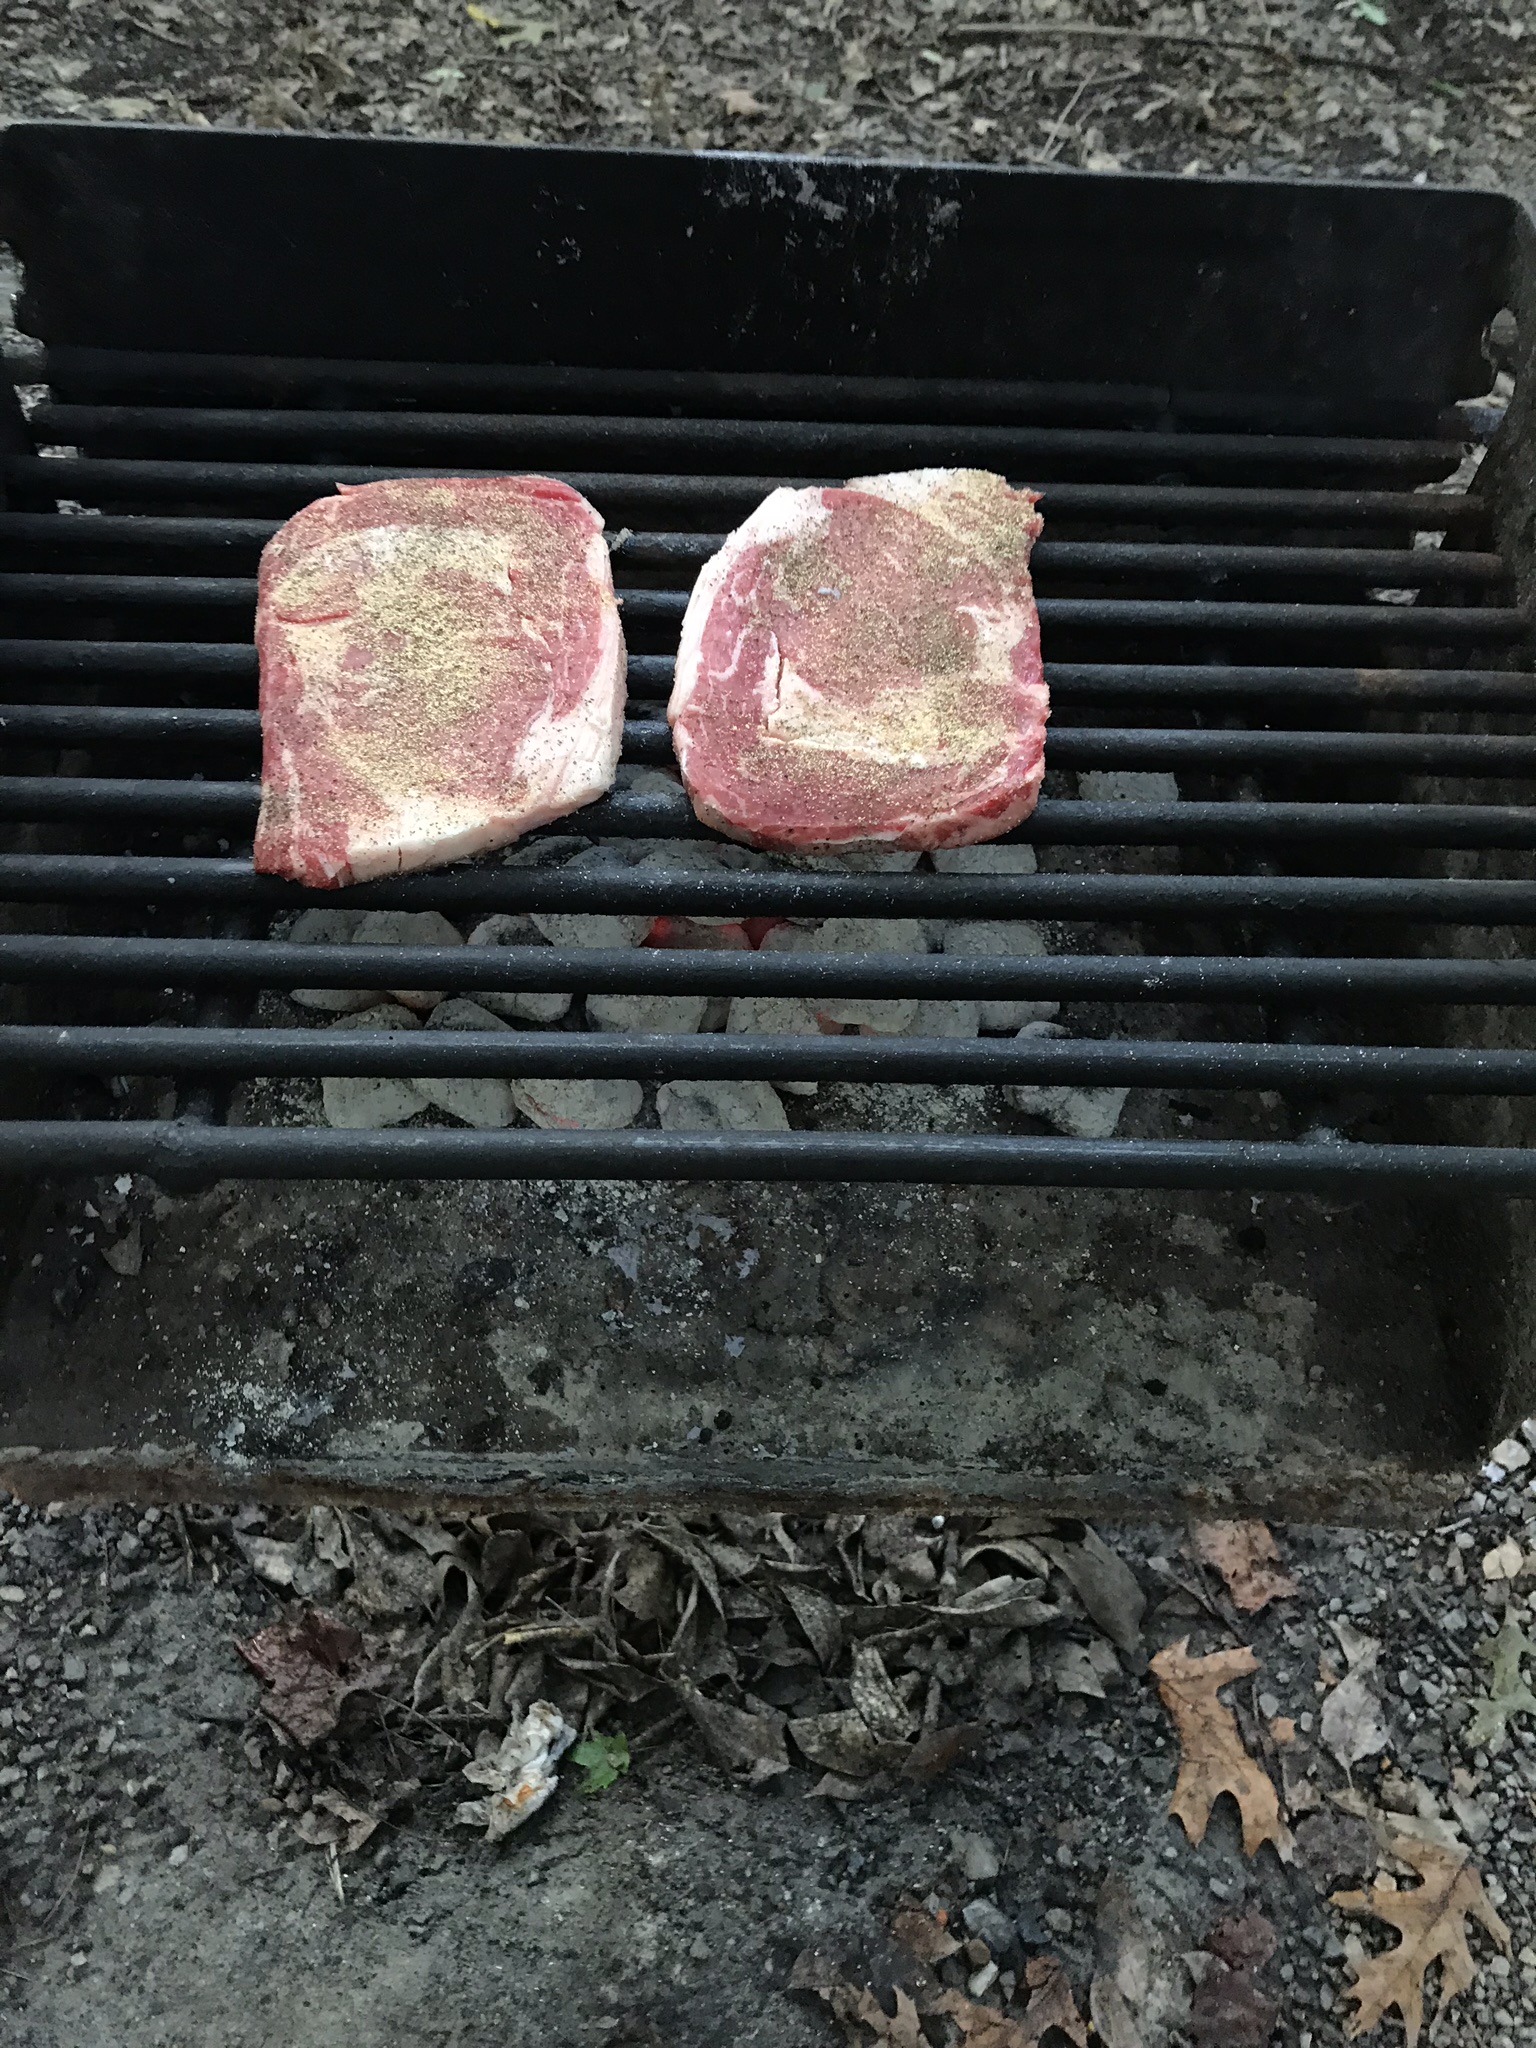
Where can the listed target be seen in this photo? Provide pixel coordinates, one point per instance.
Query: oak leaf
(1213, 1758)
(1246, 1555)
(855, 2006)
(1432, 1920)
(1507, 1691)
(1051, 2003)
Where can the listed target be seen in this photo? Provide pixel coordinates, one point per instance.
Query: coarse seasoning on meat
(442, 670)
(860, 667)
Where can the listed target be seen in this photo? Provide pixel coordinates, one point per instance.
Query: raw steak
(861, 667)
(442, 669)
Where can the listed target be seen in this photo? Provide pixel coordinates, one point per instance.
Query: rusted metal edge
(1383, 1494)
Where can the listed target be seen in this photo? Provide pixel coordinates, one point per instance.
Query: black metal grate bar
(287, 486)
(1086, 977)
(143, 533)
(89, 878)
(650, 675)
(176, 1153)
(722, 443)
(127, 376)
(549, 1055)
(650, 740)
(657, 814)
(1448, 626)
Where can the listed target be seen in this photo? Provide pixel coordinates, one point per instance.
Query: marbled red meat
(442, 669)
(860, 667)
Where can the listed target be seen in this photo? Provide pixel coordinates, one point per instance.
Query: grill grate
(1215, 570)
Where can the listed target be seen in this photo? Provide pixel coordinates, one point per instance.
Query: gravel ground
(155, 1885)
(164, 1877)
(1293, 86)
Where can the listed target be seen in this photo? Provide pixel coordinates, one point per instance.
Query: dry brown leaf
(1051, 2003)
(921, 1934)
(334, 1820)
(856, 2006)
(1246, 1555)
(1432, 1920)
(1213, 1758)
(312, 1665)
(981, 2026)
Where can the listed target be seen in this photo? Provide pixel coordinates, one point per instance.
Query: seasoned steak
(861, 667)
(442, 669)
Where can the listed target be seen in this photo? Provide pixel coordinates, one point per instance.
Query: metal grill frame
(196, 395)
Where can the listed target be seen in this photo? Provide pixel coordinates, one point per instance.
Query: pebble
(986, 1919)
(1058, 1920)
(996, 940)
(409, 928)
(579, 1105)
(1075, 1112)
(363, 1102)
(975, 1856)
(330, 928)
(527, 1006)
(73, 1671)
(777, 1016)
(720, 1106)
(483, 1101)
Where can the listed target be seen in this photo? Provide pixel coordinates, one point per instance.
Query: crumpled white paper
(521, 1775)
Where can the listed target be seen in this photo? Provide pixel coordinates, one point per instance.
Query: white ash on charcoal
(579, 1105)
(943, 1019)
(777, 1016)
(590, 930)
(481, 1100)
(990, 939)
(409, 928)
(365, 1102)
(719, 1106)
(522, 1006)
(985, 860)
(1127, 786)
(647, 1014)
(883, 1015)
(1074, 1112)
(329, 928)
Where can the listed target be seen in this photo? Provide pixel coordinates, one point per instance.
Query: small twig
(39, 1939)
(1058, 126)
(1284, 53)
(653, 1733)
(180, 1514)
(153, 28)
(334, 1860)
(535, 1632)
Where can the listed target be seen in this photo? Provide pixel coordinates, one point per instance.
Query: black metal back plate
(174, 238)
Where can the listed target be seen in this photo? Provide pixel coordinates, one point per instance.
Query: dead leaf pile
(865, 1648)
